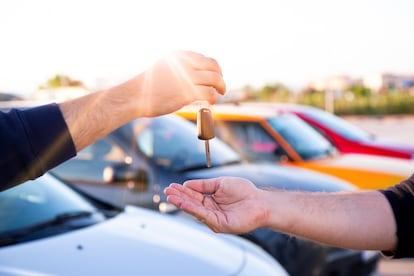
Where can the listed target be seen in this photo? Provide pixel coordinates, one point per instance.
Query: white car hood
(136, 242)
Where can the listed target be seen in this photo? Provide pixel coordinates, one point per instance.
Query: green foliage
(54, 82)
(379, 104)
(357, 100)
(60, 81)
(359, 90)
(273, 92)
(313, 98)
(364, 104)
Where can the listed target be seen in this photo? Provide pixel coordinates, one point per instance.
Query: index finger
(203, 186)
(200, 62)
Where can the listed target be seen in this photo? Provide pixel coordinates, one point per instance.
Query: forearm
(356, 220)
(93, 116)
(166, 87)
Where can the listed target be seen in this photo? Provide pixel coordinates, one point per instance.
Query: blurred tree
(61, 81)
(275, 92)
(360, 90)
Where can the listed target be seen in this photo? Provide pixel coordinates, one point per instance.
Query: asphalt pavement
(399, 128)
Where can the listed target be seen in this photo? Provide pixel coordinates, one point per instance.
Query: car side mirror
(281, 154)
(124, 174)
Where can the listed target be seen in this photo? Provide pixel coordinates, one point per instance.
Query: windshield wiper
(229, 163)
(203, 166)
(193, 168)
(11, 237)
(70, 216)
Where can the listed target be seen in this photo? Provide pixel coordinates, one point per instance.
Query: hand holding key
(205, 129)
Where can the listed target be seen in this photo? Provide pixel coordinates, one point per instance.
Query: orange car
(263, 134)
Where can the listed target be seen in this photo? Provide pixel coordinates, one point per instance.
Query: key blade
(207, 144)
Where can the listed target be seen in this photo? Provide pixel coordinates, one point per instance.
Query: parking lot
(399, 129)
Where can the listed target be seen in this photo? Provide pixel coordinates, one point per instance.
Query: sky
(255, 42)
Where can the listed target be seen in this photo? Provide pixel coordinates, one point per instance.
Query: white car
(47, 228)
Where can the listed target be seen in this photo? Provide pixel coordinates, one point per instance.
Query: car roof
(232, 110)
(280, 107)
(7, 105)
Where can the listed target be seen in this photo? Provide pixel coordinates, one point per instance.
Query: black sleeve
(32, 141)
(401, 198)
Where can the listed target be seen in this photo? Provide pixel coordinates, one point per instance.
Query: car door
(93, 168)
(251, 140)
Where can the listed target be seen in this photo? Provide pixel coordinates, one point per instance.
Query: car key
(205, 129)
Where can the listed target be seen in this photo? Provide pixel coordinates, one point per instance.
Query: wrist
(264, 202)
(272, 202)
(127, 98)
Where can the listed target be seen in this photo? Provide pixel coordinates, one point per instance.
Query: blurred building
(334, 83)
(375, 82)
(383, 81)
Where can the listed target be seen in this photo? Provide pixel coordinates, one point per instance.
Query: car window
(90, 162)
(338, 125)
(171, 142)
(36, 201)
(250, 139)
(307, 142)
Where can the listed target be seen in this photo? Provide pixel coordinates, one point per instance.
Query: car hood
(391, 145)
(363, 162)
(137, 241)
(277, 176)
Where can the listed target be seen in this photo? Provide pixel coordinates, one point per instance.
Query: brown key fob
(205, 129)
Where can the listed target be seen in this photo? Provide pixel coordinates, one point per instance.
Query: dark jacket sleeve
(401, 198)
(32, 141)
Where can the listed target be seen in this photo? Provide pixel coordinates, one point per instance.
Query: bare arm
(356, 220)
(168, 85)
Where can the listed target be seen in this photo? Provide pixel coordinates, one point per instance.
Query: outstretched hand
(225, 204)
(235, 205)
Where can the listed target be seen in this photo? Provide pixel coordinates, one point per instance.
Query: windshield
(172, 143)
(38, 201)
(338, 125)
(307, 142)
